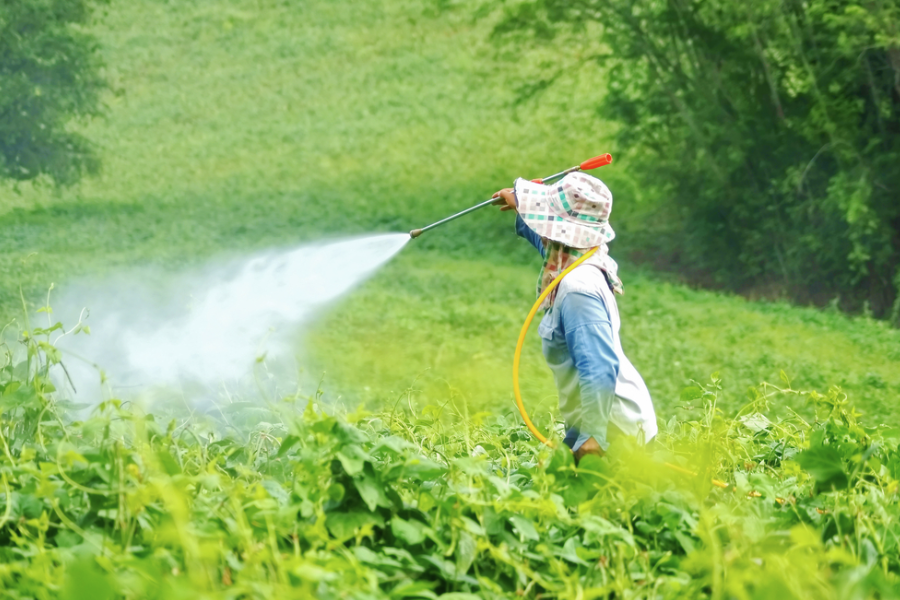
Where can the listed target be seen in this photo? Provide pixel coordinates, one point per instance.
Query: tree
(768, 130)
(49, 75)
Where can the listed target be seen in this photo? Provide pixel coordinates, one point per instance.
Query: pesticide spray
(207, 330)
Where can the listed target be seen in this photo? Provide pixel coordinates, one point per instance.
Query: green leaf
(570, 553)
(410, 564)
(577, 490)
(424, 468)
(371, 491)
(784, 378)
(67, 539)
(86, 581)
(168, 463)
(276, 491)
(755, 422)
(392, 444)
(466, 551)
(412, 532)
(598, 528)
(345, 525)
(52, 353)
(413, 589)
(524, 527)
(561, 458)
(21, 397)
(286, 444)
(493, 522)
(353, 459)
(336, 492)
(471, 526)
(446, 568)
(691, 393)
(824, 463)
(471, 466)
(686, 542)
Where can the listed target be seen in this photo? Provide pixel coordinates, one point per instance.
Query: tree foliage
(49, 75)
(768, 132)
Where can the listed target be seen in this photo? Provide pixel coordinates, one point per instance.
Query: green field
(253, 125)
(243, 125)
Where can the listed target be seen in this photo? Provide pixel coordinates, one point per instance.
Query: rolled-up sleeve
(589, 337)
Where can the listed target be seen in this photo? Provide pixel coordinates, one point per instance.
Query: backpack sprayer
(592, 163)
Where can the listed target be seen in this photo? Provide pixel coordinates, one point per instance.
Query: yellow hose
(518, 356)
(521, 343)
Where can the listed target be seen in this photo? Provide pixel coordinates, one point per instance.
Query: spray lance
(592, 163)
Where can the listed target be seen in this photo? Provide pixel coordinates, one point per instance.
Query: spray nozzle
(592, 163)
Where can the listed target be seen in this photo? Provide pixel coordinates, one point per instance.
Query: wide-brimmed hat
(573, 211)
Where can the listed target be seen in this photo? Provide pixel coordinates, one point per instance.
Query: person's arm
(589, 338)
(529, 234)
(506, 198)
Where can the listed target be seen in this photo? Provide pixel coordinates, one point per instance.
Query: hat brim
(541, 210)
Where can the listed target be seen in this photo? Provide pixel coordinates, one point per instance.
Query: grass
(255, 123)
(251, 124)
(445, 329)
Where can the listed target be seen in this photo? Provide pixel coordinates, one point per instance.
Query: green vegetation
(241, 125)
(48, 76)
(257, 124)
(445, 329)
(266, 501)
(766, 132)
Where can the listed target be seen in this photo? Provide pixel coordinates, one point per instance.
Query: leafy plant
(286, 500)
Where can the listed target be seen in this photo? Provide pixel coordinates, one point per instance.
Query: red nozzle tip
(537, 181)
(597, 161)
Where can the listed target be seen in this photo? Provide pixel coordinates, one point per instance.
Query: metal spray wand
(593, 163)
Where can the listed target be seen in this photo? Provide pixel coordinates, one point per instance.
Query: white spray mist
(206, 329)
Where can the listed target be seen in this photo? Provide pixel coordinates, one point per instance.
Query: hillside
(248, 125)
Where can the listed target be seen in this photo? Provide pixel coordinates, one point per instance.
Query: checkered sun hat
(573, 211)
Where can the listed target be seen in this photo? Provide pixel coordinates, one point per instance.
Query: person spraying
(601, 394)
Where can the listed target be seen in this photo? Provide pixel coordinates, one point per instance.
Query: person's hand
(506, 199)
(591, 446)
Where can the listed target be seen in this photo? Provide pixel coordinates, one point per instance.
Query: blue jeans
(572, 435)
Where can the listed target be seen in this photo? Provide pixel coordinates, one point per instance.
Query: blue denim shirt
(578, 345)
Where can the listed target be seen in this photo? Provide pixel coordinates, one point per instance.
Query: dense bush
(49, 75)
(281, 501)
(767, 133)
